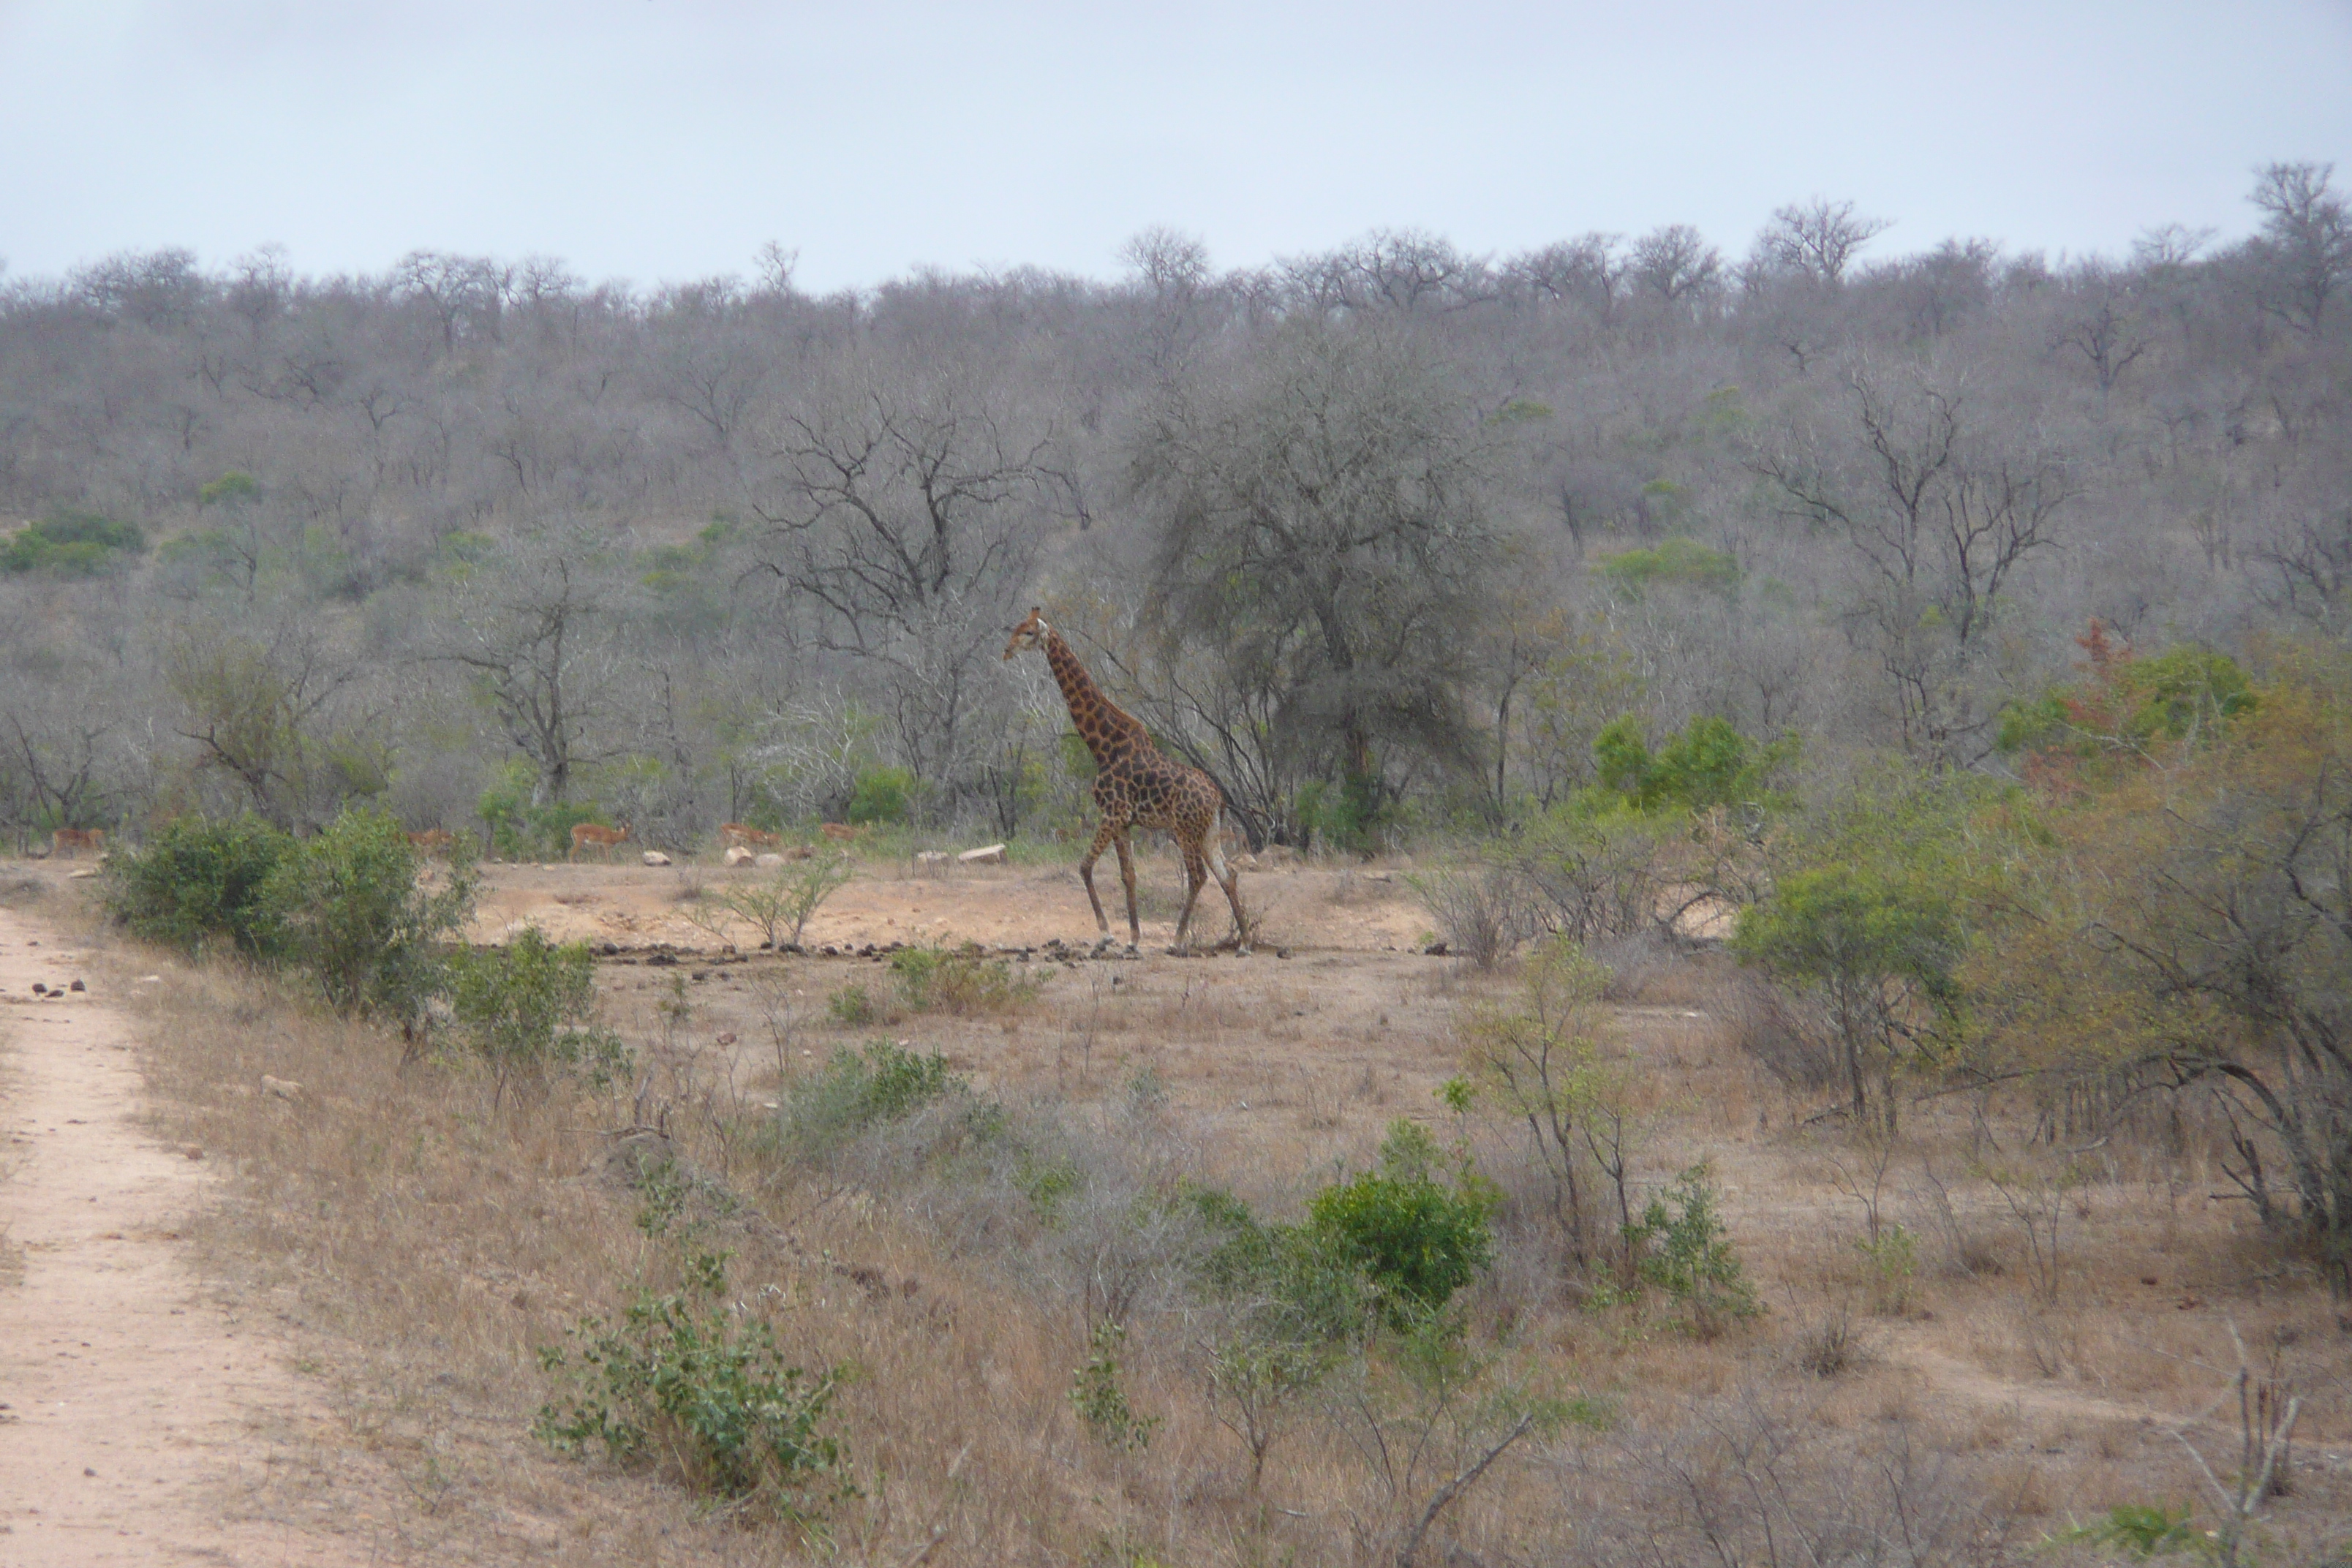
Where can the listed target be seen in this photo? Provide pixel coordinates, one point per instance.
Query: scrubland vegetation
(1873, 739)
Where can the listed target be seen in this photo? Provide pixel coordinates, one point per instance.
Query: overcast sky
(667, 139)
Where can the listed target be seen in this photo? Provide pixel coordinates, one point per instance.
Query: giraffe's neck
(1106, 730)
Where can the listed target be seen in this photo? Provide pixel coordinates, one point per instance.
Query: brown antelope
(842, 832)
(432, 840)
(588, 833)
(70, 841)
(743, 836)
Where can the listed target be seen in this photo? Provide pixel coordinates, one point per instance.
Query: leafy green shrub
(1102, 1402)
(532, 1003)
(682, 1379)
(881, 794)
(521, 829)
(72, 544)
(1303, 1287)
(2142, 1531)
(1687, 1253)
(345, 906)
(1708, 764)
(856, 1089)
(1683, 563)
(1417, 1239)
(1344, 816)
(2128, 703)
(853, 1004)
(959, 981)
(199, 878)
(779, 907)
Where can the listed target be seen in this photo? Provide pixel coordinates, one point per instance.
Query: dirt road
(139, 1423)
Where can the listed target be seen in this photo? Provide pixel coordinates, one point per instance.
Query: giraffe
(1137, 787)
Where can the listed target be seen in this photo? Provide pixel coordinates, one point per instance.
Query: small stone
(655, 858)
(988, 855)
(738, 855)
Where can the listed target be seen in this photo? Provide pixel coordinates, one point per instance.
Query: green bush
(1304, 1287)
(1417, 1239)
(1686, 1253)
(532, 1003)
(682, 1378)
(882, 794)
(345, 906)
(1682, 561)
(72, 544)
(936, 980)
(198, 879)
(856, 1089)
(1708, 764)
(1100, 1400)
(523, 830)
(853, 1004)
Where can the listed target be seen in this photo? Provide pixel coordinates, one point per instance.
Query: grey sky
(667, 139)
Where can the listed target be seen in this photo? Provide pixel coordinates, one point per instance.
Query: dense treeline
(1384, 537)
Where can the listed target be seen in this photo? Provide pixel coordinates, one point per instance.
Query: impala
(432, 840)
(70, 841)
(588, 833)
(743, 836)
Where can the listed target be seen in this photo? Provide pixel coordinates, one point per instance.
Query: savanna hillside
(1955, 640)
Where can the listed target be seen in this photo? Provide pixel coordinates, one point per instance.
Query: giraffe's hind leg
(1196, 872)
(1127, 875)
(1109, 833)
(1229, 877)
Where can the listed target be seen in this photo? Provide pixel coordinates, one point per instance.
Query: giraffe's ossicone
(1138, 787)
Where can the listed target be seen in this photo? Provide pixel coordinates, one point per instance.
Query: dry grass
(424, 1239)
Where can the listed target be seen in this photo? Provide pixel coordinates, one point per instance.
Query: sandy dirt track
(139, 1421)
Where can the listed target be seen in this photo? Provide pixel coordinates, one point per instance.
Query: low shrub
(937, 980)
(779, 907)
(73, 545)
(682, 1379)
(532, 1005)
(1685, 1251)
(345, 906)
(1416, 1239)
(881, 794)
(856, 1089)
(198, 879)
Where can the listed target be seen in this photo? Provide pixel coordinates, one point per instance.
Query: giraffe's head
(1029, 634)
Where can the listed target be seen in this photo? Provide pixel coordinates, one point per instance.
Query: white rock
(655, 857)
(930, 857)
(738, 855)
(769, 859)
(991, 855)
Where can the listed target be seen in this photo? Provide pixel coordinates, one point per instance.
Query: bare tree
(1676, 264)
(2305, 248)
(908, 511)
(1940, 516)
(532, 631)
(1324, 515)
(1817, 238)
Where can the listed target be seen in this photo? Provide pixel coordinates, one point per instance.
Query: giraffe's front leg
(1127, 875)
(1106, 834)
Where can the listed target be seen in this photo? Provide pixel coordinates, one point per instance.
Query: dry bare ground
(413, 1236)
